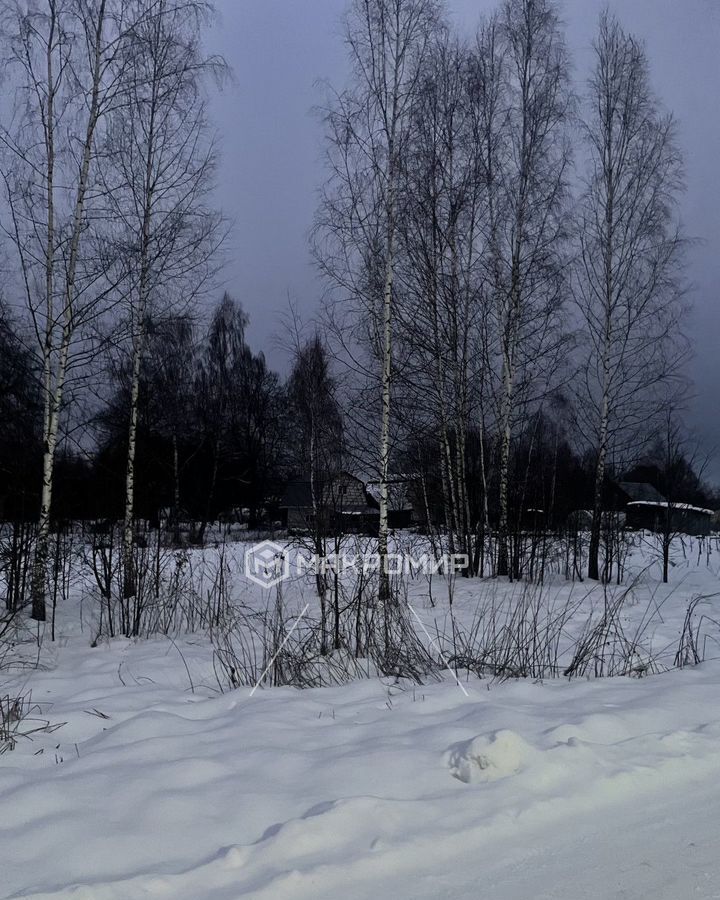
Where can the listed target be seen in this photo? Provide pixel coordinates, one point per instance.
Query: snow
(157, 785)
(664, 504)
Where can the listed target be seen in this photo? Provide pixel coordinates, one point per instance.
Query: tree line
(500, 246)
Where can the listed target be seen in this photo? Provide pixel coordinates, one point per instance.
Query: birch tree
(357, 228)
(629, 256)
(440, 316)
(528, 237)
(63, 57)
(487, 88)
(164, 160)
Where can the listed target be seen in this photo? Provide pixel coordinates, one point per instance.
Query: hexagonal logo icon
(266, 564)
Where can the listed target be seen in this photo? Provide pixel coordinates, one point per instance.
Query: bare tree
(681, 470)
(487, 87)
(357, 229)
(627, 286)
(527, 240)
(441, 306)
(216, 382)
(318, 423)
(64, 58)
(163, 164)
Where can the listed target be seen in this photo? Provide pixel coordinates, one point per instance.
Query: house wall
(643, 518)
(346, 492)
(343, 506)
(681, 521)
(697, 523)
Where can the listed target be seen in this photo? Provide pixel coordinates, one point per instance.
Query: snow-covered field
(158, 785)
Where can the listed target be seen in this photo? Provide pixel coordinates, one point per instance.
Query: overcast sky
(272, 148)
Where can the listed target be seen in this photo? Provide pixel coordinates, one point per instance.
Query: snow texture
(592, 789)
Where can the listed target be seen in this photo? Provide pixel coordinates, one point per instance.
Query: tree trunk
(594, 550)
(384, 575)
(130, 575)
(130, 579)
(504, 468)
(54, 392)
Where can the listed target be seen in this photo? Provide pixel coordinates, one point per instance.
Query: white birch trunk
(504, 467)
(54, 383)
(384, 586)
(129, 576)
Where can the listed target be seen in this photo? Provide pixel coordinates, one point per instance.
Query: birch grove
(486, 248)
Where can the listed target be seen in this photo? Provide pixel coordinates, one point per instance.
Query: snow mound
(489, 757)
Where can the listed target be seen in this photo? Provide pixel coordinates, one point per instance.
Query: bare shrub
(281, 646)
(20, 719)
(176, 590)
(533, 631)
(516, 634)
(17, 543)
(608, 648)
(695, 634)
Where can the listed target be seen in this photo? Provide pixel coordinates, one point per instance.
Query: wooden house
(333, 504)
(666, 516)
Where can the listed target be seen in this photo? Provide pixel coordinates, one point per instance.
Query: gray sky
(272, 149)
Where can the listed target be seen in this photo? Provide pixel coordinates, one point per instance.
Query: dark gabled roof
(639, 490)
(298, 494)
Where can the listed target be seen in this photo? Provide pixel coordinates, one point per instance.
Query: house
(340, 505)
(646, 509)
(684, 518)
